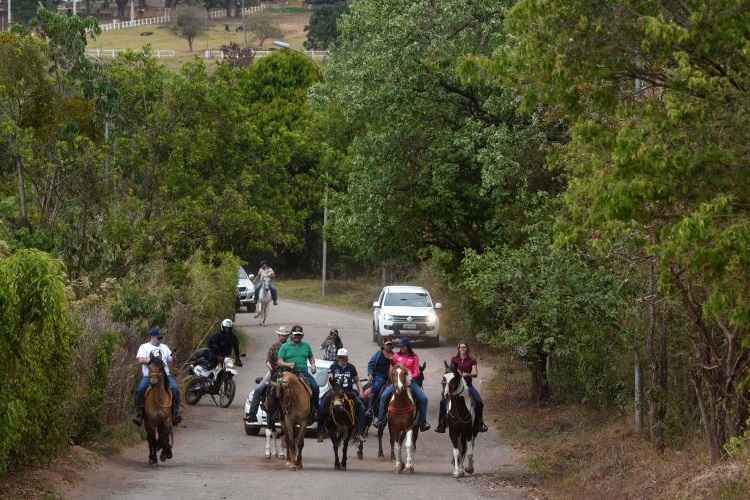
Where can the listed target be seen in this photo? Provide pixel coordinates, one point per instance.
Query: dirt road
(214, 459)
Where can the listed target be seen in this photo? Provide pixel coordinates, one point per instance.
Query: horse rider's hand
(238, 362)
(312, 368)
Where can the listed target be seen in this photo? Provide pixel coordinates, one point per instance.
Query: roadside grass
(292, 21)
(573, 451)
(352, 295)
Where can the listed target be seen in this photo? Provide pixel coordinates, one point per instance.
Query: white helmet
(227, 323)
(342, 353)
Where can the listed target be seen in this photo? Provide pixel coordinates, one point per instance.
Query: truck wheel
(252, 431)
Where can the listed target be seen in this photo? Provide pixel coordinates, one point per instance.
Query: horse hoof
(410, 469)
(268, 456)
(152, 461)
(360, 455)
(470, 470)
(397, 469)
(282, 456)
(337, 467)
(291, 466)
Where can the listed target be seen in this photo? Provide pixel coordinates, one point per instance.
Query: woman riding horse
(466, 366)
(407, 358)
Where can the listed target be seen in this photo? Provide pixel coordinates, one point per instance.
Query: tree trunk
(539, 377)
(21, 191)
(190, 43)
(656, 349)
(638, 393)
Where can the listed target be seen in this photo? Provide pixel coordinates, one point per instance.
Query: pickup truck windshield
(407, 300)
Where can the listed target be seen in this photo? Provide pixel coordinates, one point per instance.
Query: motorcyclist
(345, 376)
(467, 366)
(282, 334)
(224, 342)
(265, 271)
(407, 358)
(378, 371)
(295, 355)
(143, 357)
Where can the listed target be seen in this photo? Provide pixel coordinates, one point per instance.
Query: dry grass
(353, 295)
(163, 38)
(577, 452)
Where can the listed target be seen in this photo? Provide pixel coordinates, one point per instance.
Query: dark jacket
(222, 343)
(379, 365)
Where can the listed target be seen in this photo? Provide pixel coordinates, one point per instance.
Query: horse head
(155, 367)
(452, 381)
(400, 378)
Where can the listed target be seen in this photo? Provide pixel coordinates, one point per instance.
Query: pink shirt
(411, 363)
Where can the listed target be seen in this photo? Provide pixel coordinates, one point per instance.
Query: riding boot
(424, 427)
(176, 417)
(138, 419)
(441, 425)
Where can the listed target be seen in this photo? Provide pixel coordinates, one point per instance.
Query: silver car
(253, 428)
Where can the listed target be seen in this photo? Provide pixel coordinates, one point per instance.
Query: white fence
(148, 21)
(221, 13)
(218, 54)
(112, 53)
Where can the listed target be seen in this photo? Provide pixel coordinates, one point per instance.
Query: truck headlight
(431, 317)
(387, 317)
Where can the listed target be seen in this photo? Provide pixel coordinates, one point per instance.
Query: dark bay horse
(295, 411)
(341, 423)
(402, 418)
(461, 419)
(158, 412)
(370, 418)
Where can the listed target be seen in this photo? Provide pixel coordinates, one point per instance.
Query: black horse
(462, 422)
(341, 422)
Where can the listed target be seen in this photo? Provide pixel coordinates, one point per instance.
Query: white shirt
(265, 273)
(145, 351)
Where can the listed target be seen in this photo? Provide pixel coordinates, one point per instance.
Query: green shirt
(297, 354)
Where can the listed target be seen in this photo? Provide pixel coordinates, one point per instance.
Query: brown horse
(158, 412)
(402, 419)
(341, 423)
(294, 398)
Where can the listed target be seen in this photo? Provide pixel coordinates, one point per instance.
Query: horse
(158, 412)
(402, 419)
(272, 406)
(294, 398)
(461, 419)
(341, 423)
(264, 297)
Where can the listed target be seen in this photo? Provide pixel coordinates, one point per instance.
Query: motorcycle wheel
(193, 391)
(226, 393)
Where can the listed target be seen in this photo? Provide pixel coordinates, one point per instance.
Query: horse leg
(281, 449)
(335, 442)
(345, 450)
(151, 446)
(290, 448)
(300, 445)
(166, 449)
(409, 451)
(470, 457)
(269, 436)
(380, 443)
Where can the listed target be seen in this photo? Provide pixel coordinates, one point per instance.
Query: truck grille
(410, 319)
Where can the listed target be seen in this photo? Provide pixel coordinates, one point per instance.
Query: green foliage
(25, 10)
(263, 26)
(36, 345)
(322, 31)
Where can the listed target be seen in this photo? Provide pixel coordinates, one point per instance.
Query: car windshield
(241, 274)
(414, 299)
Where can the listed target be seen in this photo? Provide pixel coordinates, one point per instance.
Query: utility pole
(325, 243)
(9, 15)
(75, 2)
(132, 10)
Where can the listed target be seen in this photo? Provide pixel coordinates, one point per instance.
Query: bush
(36, 352)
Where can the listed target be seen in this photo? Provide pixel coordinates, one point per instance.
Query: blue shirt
(379, 365)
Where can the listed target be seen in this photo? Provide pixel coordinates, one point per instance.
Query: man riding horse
(407, 358)
(265, 271)
(295, 355)
(344, 375)
(282, 334)
(378, 371)
(144, 358)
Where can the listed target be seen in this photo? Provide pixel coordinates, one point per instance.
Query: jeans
(315, 398)
(260, 391)
(140, 392)
(377, 385)
(419, 395)
(360, 415)
(274, 293)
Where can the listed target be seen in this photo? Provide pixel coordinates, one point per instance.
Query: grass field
(290, 19)
(353, 295)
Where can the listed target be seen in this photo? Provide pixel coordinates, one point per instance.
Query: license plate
(409, 326)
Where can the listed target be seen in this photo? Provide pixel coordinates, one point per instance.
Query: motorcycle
(217, 382)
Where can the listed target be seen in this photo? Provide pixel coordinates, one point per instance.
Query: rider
(378, 371)
(467, 366)
(143, 357)
(295, 355)
(271, 363)
(223, 342)
(265, 271)
(345, 376)
(331, 345)
(407, 358)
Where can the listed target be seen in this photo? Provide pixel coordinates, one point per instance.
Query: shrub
(36, 352)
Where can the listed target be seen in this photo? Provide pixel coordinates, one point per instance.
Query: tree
(263, 26)
(190, 24)
(322, 31)
(657, 94)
